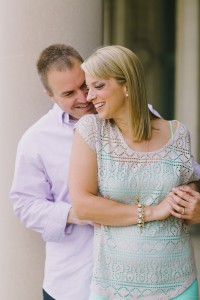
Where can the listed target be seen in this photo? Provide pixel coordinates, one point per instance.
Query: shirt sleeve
(32, 199)
(154, 112)
(196, 167)
(87, 127)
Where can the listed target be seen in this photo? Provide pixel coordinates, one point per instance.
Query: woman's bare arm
(83, 185)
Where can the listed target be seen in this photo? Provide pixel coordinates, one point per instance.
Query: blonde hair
(123, 65)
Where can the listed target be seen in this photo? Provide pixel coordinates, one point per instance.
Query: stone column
(187, 68)
(27, 27)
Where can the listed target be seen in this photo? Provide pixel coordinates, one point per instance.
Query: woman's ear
(126, 93)
(126, 90)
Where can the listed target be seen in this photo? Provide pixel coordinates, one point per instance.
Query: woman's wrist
(157, 212)
(149, 213)
(153, 213)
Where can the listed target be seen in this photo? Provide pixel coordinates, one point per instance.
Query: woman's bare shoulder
(162, 124)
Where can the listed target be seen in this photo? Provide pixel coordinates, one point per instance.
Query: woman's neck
(125, 127)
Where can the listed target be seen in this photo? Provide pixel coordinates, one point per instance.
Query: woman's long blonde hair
(122, 64)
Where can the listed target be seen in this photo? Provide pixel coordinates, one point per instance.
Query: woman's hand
(158, 212)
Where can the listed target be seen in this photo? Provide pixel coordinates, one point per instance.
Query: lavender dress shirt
(40, 198)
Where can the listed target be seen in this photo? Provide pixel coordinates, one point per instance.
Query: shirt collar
(62, 116)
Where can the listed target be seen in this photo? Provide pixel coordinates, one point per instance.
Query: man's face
(69, 91)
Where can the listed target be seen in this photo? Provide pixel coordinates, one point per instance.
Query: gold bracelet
(140, 209)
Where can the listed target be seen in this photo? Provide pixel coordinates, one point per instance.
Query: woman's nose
(90, 96)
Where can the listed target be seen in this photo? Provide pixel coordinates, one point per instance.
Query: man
(185, 203)
(39, 191)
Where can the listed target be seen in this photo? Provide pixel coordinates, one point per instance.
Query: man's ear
(49, 94)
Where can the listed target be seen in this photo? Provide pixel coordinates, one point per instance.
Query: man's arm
(186, 197)
(185, 203)
(185, 200)
(32, 198)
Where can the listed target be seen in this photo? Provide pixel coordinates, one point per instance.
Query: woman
(132, 157)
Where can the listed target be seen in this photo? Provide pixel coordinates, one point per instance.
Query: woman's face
(108, 97)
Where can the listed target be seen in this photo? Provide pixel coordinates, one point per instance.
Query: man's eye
(84, 86)
(67, 95)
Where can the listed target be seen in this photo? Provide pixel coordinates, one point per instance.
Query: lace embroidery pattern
(157, 262)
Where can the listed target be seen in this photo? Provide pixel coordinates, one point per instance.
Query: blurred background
(165, 36)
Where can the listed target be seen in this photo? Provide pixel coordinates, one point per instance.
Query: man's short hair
(58, 57)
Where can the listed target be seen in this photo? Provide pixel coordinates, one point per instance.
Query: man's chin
(83, 113)
(90, 111)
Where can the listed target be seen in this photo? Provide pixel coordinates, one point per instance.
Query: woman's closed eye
(99, 86)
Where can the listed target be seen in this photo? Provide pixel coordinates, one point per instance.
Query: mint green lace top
(156, 262)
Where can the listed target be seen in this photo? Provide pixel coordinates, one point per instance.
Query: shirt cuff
(68, 228)
(56, 228)
(196, 167)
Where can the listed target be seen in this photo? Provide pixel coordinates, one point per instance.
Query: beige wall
(26, 27)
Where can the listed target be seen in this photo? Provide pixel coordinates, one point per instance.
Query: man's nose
(82, 95)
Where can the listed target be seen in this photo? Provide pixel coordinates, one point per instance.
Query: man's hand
(72, 219)
(185, 204)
